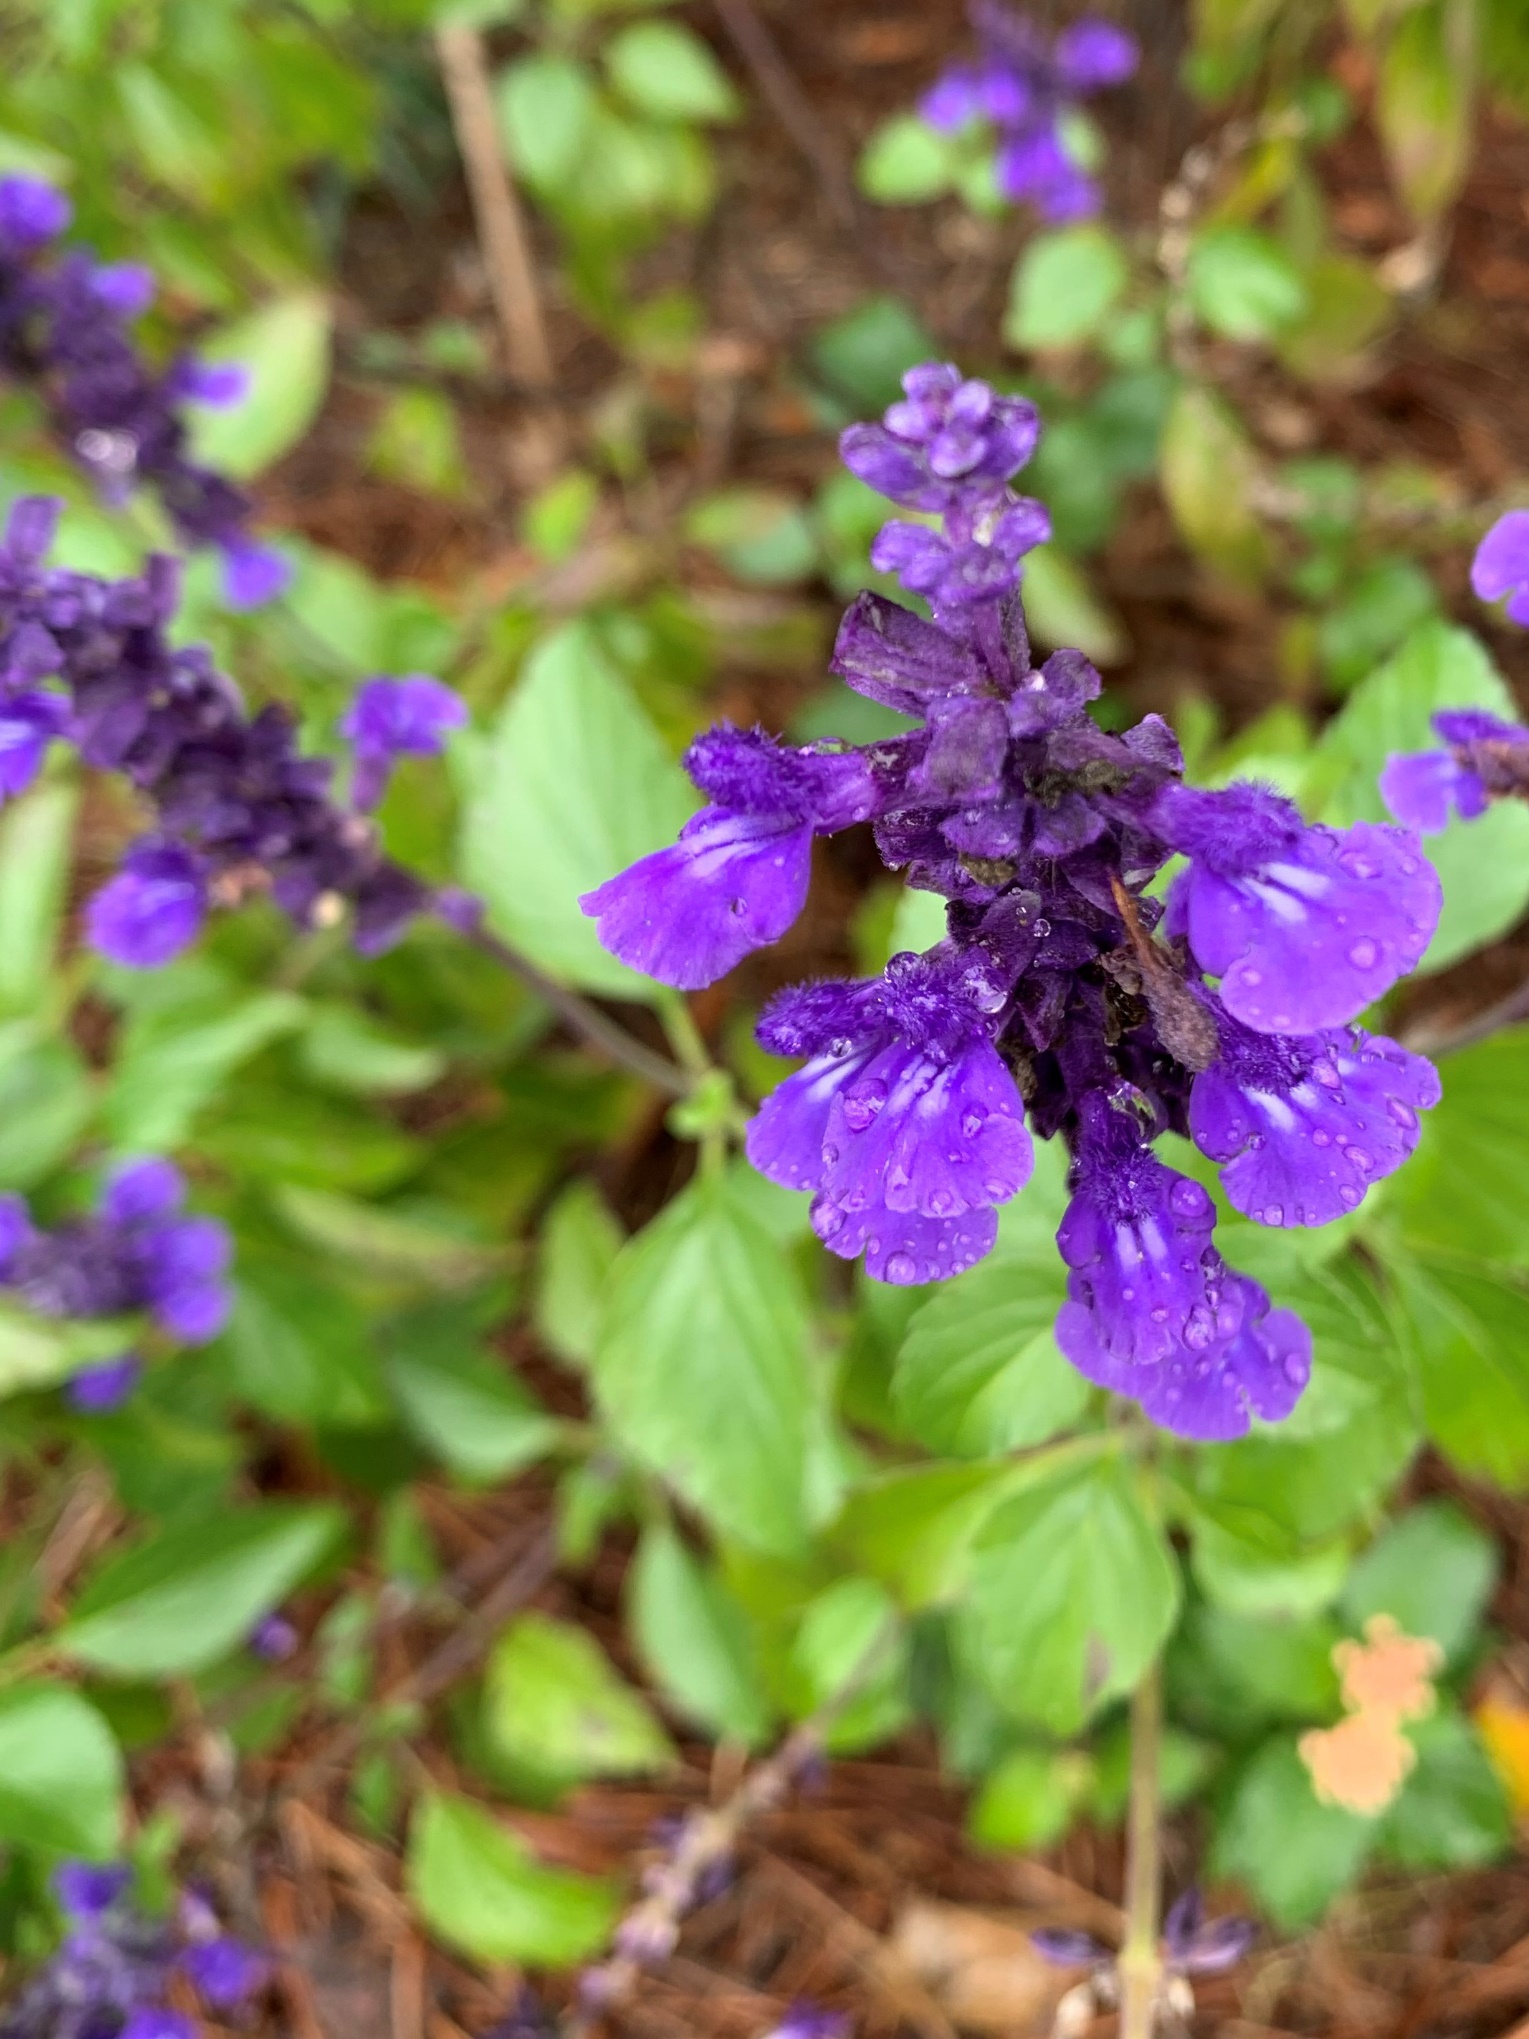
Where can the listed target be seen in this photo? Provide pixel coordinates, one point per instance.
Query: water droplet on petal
(1365, 954)
(1187, 1200)
(1357, 1158)
(972, 1124)
(830, 1220)
(902, 1268)
(862, 1103)
(1252, 976)
(1199, 1328)
(1320, 1137)
(1401, 1114)
(1295, 1370)
(1349, 1194)
(830, 1155)
(1274, 1215)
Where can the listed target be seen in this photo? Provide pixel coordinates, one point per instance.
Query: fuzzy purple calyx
(1303, 1128)
(1304, 926)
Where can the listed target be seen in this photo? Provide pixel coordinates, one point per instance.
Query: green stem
(1141, 1964)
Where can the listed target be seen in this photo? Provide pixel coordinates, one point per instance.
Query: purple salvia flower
(1302, 1127)
(218, 384)
(28, 724)
(1486, 759)
(224, 1972)
(949, 443)
(1027, 90)
(87, 1890)
(1195, 1945)
(1066, 1947)
(254, 575)
(31, 213)
(126, 288)
(1153, 1311)
(1501, 565)
(1304, 926)
(390, 719)
(153, 909)
(158, 2021)
(98, 1390)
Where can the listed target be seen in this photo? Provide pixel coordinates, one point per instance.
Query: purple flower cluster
(1065, 993)
(114, 1969)
(64, 321)
(137, 1253)
(237, 809)
(1026, 85)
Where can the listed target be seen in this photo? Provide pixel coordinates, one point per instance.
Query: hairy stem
(581, 1018)
(1140, 1959)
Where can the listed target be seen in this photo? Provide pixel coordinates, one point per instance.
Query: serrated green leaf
(1468, 1330)
(1208, 470)
(574, 786)
(386, 1243)
(36, 834)
(546, 109)
(461, 1402)
(182, 1599)
(579, 1244)
(1432, 1571)
(1295, 1854)
(1453, 1811)
(1030, 1800)
(173, 1057)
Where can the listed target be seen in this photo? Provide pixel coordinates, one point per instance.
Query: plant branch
(649, 1932)
(501, 223)
(756, 46)
(580, 1016)
(1141, 1965)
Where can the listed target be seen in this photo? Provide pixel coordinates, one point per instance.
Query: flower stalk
(1141, 1961)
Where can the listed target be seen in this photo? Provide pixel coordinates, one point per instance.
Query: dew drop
(1199, 1328)
(1401, 1114)
(1358, 865)
(902, 1268)
(1357, 1158)
(1187, 1200)
(1349, 1194)
(830, 1220)
(1252, 976)
(1295, 1370)
(830, 1155)
(972, 1124)
(1321, 1138)
(1274, 1215)
(1365, 954)
(862, 1105)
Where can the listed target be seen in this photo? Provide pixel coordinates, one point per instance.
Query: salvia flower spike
(1066, 998)
(64, 331)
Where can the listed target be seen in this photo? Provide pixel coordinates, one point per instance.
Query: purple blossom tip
(138, 1190)
(218, 384)
(98, 1390)
(225, 1972)
(87, 1889)
(1304, 926)
(273, 1639)
(1422, 787)
(157, 2021)
(254, 575)
(809, 2021)
(1501, 565)
(1093, 54)
(28, 724)
(184, 1262)
(31, 212)
(152, 910)
(688, 914)
(1302, 1128)
(949, 441)
(389, 719)
(126, 288)
(1066, 1948)
(15, 1231)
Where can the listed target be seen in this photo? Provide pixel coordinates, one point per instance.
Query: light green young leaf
(285, 347)
(481, 1890)
(1064, 287)
(1030, 1800)
(547, 104)
(913, 1527)
(905, 162)
(1432, 1570)
(554, 1701)
(694, 1640)
(1208, 468)
(1484, 864)
(1242, 283)
(36, 833)
(575, 785)
(343, 1049)
(61, 1774)
(666, 72)
(183, 1598)
(1464, 1191)
(1423, 104)
(386, 1243)
(851, 1651)
(762, 534)
(1468, 1331)
(174, 1057)
(1453, 1812)
(461, 1401)
(298, 1349)
(1062, 608)
(701, 1365)
(1073, 1591)
(1292, 1852)
(579, 1244)
(47, 1096)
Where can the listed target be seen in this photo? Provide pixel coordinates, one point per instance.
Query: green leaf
(479, 1889)
(1469, 1334)
(1347, 309)
(1073, 1591)
(1432, 1571)
(37, 1352)
(668, 73)
(47, 1096)
(1245, 1578)
(1452, 1812)
(546, 108)
(1295, 1854)
(1030, 1800)
(905, 162)
(701, 1365)
(462, 1403)
(1208, 470)
(553, 1700)
(850, 1643)
(386, 1243)
(345, 1050)
(36, 836)
(575, 785)
(285, 347)
(1064, 287)
(913, 1528)
(1423, 105)
(173, 1057)
(1233, 1672)
(61, 1774)
(1377, 611)
(863, 358)
(1242, 283)
(979, 1371)
(1483, 865)
(299, 1350)
(579, 1244)
(417, 442)
(185, 1597)
(693, 1639)
(762, 534)
(1464, 1192)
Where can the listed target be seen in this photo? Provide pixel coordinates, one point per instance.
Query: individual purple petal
(688, 914)
(254, 575)
(786, 1136)
(225, 1972)
(31, 212)
(127, 288)
(954, 100)
(157, 2021)
(1302, 1128)
(1092, 54)
(1501, 565)
(15, 1231)
(890, 655)
(926, 1135)
(28, 724)
(1216, 1947)
(152, 909)
(97, 1390)
(808, 2021)
(1065, 1948)
(139, 1190)
(183, 1263)
(903, 1247)
(1420, 788)
(410, 717)
(87, 1889)
(1304, 926)
(827, 1017)
(968, 744)
(218, 384)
